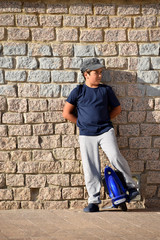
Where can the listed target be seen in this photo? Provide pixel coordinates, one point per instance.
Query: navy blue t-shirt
(93, 105)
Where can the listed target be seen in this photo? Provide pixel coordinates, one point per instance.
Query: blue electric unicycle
(115, 186)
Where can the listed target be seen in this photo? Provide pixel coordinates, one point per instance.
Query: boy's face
(93, 78)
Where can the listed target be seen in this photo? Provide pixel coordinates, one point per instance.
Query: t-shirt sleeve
(72, 98)
(113, 100)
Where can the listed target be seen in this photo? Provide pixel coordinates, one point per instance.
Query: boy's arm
(68, 112)
(115, 112)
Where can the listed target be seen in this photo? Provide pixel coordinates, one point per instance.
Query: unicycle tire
(123, 207)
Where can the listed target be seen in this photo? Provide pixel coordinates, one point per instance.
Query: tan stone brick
(119, 90)
(50, 167)
(136, 166)
(148, 154)
(7, 143)
(155, 35)
(72, 193)
(7, 20)
(50, 194)
(106, 49)
(78, 204)
(50, 20)
(55, 205)
(104, 9)
(67, 34)
(74, 21)
(2, 33)
(27, 20)
(65, 128)
(150, 9)
(33, 117)
(37, 105)
(22, 194)
(28, 167)
(15, 180)
(12, 118)
(122, 142)
(3, 131)
(70, 166)
(64, 153)
(35, 181)
(31, 205)
(97, 22)
(55, 116)
(4, 156)
(122, 118)
(58, 179)
(30, 142)
(18, 34)
(128, 49)
(21, 155)
(129, 130)
(126, 104)
(120, 22)
(62, 49)
(49, 142)
(43, 34)
(77, 180)
(150, 191)
(123, 76)
(115, 35)
(150, 129)
(81, 9)
(138, 35)
(144, 21)
(157, 104)
(129, 154)
(128, 10)
(57, 8)
(153, 165)
(3, 103)
(153, 177)
(6, 194)
(136, 116)
(70, 141)
(137, 90)
(142, 104)
(10, 167)
(43, 129)
(91, 35)
(7, 6)
(17, 105)
(28, 90)
(153, 116)
(157, 142)
(116, 62)
(2, 181)
(8, 205)
(19, 130)
(34, 7)
(140, 142)
(42, 155)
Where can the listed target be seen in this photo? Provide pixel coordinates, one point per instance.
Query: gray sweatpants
(89, 146)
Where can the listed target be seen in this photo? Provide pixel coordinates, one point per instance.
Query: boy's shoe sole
(91, 208)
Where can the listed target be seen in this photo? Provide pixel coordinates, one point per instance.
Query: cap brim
(95, 67)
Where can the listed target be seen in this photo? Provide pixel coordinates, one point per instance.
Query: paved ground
(76, 225)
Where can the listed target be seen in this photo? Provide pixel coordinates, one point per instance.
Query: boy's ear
(85, 74)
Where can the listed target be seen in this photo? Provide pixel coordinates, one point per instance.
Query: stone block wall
(42, 45)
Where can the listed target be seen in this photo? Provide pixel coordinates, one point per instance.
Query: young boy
(96, 105)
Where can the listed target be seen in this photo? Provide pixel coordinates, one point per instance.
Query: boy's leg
(91, 167)
(108, 143)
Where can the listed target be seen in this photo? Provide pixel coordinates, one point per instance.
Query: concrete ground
(76, 225)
